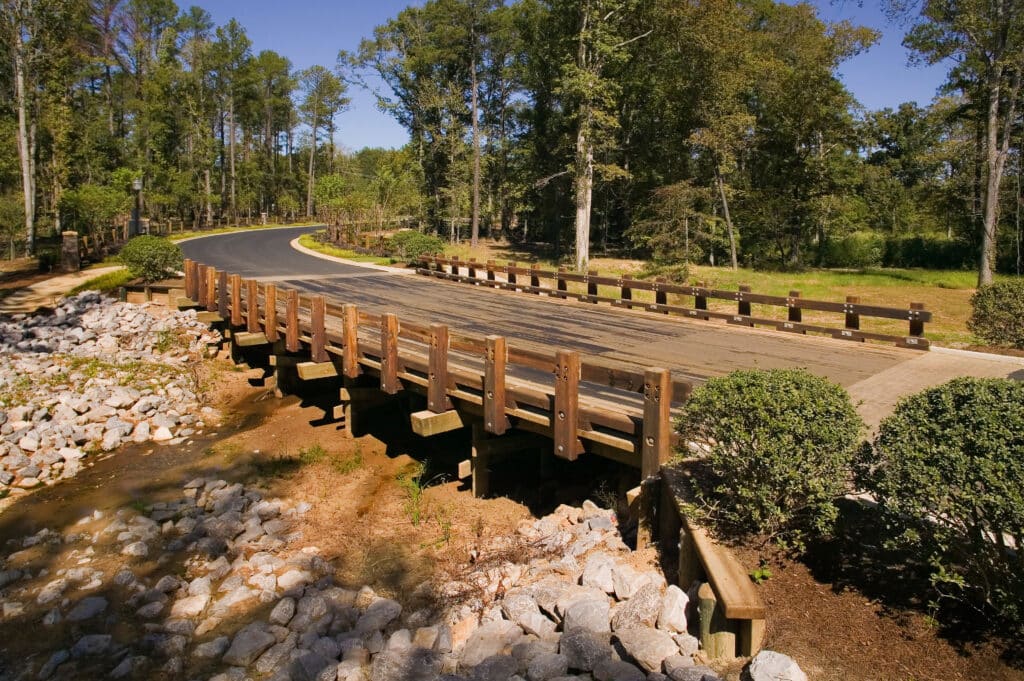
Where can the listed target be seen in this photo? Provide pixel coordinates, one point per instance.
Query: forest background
(680, 131)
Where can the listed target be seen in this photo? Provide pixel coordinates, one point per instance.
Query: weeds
(312, 454)
(347, 465)
(280, 466)
(411, 482)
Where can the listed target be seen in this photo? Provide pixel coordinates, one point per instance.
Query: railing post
(318, 334)
(743, 306)
(236, 300)
(656, 441)
(700, 301)
(190, 282)
(455, 265)
(472, 268)
(625, 287)
(201, 284)
(222, 294)
(535, 277)
(565, 416)
(211, 289)
(592, 286)
(291, 333)
(660, 296)
(252, 306)
(350, 340)
(389, 353)
(916, 324)
(795, 313)
(563, 286)
(510, 274)
(490, 270)
(495, 357)
(437, 370)
(270, 312)
(852, 318)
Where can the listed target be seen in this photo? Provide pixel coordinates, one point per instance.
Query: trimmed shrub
(859, 249)
(947, 469)
(408, 245)
(151, 257)
(997, 313)
(932, 251)
(776, 449)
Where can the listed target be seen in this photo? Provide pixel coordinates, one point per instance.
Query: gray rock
(91, 644)
(211, 649)
(589, 614)
(695, 673)
(50, 666)
(248, 644)
(584, 649)
(688, 645)
(191, 606)
(309, 666)
(378, 615)
(547, 666)
(769, 665)
(493, 638)
(672, 615)
(639, 611)
(283, 612)
(495, 668)
(87, 608)
(277, 655)
(627, 580)
(618, 670)
(674, 662)
(597, 572)
(414, 664)
(647, 646)
(9, 577)
(136, 549)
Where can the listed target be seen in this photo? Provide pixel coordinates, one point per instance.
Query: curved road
(876, 374)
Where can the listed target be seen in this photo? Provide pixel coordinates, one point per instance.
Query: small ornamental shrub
(947, 469)
(151, 257)
(775, 448)
(997, 315)
(409, 245)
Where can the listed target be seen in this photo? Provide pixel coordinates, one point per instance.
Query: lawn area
(111, 281)
(946, 294)
(309, 241)
(234, 228)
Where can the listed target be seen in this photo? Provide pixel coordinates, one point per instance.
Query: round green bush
(997, 313)
(409, 245)
(151, 257)
(947, 469)
(776, 449)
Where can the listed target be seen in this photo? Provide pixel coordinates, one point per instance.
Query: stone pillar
(69, 260)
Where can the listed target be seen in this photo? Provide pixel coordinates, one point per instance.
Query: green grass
(105, 283)
(348, 464)
(312, 454)
(309, 241)
(178, 236)
(411, 482)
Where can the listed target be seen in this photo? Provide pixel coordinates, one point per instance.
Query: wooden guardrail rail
(616, 412)
(529, 279)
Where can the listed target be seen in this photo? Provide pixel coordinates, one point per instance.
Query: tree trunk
(26, 150)
(584, 195)
(231, 141)
(312, 169)
(996, 154)
(728, 220)
(475, 230)
(209, 204)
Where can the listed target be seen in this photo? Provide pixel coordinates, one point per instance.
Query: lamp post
(137, 209)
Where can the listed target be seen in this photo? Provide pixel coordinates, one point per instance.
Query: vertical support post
(252, 306)
(743, 306)
(565, 415)
(562, 286)
(270, 312)
(291, 334)
(490, 270)
(389, 353)
(472, 268)
(201, 283)
(852, 318)
(222, 294)
(211, 289)
(190, 281)
(657, 431)
(511, 273)
(455, 264)
(660, 295)
(916, 325)
(350, 340)
(495, 357)
(437, 370)
(479, 462)
(70, 260)
(625, 287)
(795, 313)
(236, 300)
(715, 637)
(535, 277)
(700, 301)
(318, 334)
(592, 286)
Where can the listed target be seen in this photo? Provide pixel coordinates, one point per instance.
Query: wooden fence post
(201, 284)
(252, 306)
(916, 324)
(222, 295)
(495, 356)
(625, 287)
(236, 300)
(211, 289)
(437, 370)
(190, 282)
(565, 416)
(291, 333)
(350, 340)
(592, 286)
(472, 268)
(270, 312)
(318, 334)
(455, 265)
(535, 277)
(490, 270)
(657, 431)
(660, 296)
(510, 275)
(795, 313)
(743, 306)
(852, 318)
(389, 353)
(563, 286)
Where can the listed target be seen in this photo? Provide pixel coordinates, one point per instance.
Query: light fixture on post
(137, 209)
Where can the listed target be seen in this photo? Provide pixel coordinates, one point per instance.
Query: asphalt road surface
(877, 374)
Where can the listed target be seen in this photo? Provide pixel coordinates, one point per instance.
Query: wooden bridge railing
(616, 412)
(528, 280)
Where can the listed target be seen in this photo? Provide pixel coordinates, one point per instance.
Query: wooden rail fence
(529, 280)
(620, 413)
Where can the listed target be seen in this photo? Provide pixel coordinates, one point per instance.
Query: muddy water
(134, 474)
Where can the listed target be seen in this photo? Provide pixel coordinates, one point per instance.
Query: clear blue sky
(312, 32)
